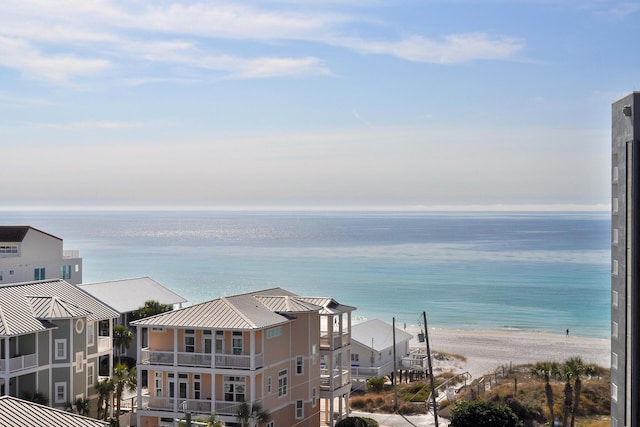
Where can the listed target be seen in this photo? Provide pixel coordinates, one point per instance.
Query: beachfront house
(372, 350)
(28, 254)
(128, 295)
(53, 338)
(271, 348)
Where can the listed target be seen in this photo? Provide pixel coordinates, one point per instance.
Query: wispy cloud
(92, 124)
(452, 49)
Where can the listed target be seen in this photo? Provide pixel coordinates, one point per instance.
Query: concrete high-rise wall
(625, 261)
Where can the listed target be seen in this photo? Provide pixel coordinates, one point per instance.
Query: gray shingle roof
(16, 412)
(23, 306)
(127, 295)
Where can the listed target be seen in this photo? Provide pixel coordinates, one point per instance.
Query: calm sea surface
(492, 271)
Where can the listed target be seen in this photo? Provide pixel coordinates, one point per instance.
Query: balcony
(338, 340)
(206, 360)
(337, 378)
(200, 406)
(18, 363)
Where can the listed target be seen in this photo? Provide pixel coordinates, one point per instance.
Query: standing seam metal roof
(16, 412)
(17, 304)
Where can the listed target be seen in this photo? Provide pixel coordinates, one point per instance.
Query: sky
(372, 104)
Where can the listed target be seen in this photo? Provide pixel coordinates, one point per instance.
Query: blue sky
(334, 103)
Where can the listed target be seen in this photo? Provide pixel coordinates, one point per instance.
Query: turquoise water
(493, 271)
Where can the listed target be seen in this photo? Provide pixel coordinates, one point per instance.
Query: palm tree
(123, 377)
(82, 406)
(578, 369)
(566, 374)
(253, 412)
(545, 371)
(122, 337)
(104, 389)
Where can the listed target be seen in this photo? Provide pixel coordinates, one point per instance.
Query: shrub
(375, 384)
(352, 422)
(483, 413)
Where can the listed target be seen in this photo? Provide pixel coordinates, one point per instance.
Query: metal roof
(329, 305)
(16, 412)
(128, 295)
(381, 333)
(17, 233)
(254, 310)
(23, 306)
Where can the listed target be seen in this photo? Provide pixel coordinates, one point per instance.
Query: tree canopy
(150, 308)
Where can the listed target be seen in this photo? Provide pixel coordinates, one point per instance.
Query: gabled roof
(329, 305)
(127, 295)
(381, 333)
(28, 307)
(16, 412)
(17, 233)
(255, 310)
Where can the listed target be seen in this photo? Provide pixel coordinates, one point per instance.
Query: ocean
(520, 271)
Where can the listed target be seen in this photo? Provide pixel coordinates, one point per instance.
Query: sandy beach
(486, 350)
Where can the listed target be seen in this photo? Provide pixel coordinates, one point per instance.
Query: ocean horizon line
(310, 208)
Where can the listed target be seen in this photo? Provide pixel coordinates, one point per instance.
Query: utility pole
(395, 367)
(433, 389)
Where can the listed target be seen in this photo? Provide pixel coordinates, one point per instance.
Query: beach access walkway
(395, 420)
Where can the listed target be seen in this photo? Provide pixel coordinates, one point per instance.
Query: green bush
(352, 422)
(375, 384)
(483, 413)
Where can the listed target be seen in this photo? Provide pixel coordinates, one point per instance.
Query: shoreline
(485, 351)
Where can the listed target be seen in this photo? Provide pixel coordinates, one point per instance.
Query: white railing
(230, 408)
(233, 361)
(104, 343)
(168, 404)
(372, 371)
(338, 341)
(18, 363)
(338, 379)
(71, 253)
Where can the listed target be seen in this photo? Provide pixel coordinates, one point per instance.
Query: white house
(372, 350)
(28, 254)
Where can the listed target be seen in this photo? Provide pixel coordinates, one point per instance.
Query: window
(79, 360)
(271, 424)
(1, 275)
(282, 383)
(355, 357)
(299, 409)
(615, 174)
(60, 392)
(614, 206)
(219, 342)
(269, 385)
(157, 329)
(614, 329)
(614, 392)
(90, 375)
(614, 298)
(615, 237)
(39, 273)
(299, 365)
(11, 272)
(314, 396)
(234, 388)
(314, 354)
(157, 383)
(236, 343)
(79, 326)
(91, 334)
(196, 386)
(614, 360)
(61, 349)
(189, 341)
(206, 341)
(274, 332)
(614, 268)
(8, 249)
(65, 272)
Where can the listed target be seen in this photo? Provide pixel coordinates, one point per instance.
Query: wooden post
(433, 388)
(395, 367)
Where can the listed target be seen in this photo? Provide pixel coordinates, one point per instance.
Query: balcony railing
(104, 343)
(18, 363)
(70, 253)
(340, 378)
(203, 406)
(232, 361)
(338, 340)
